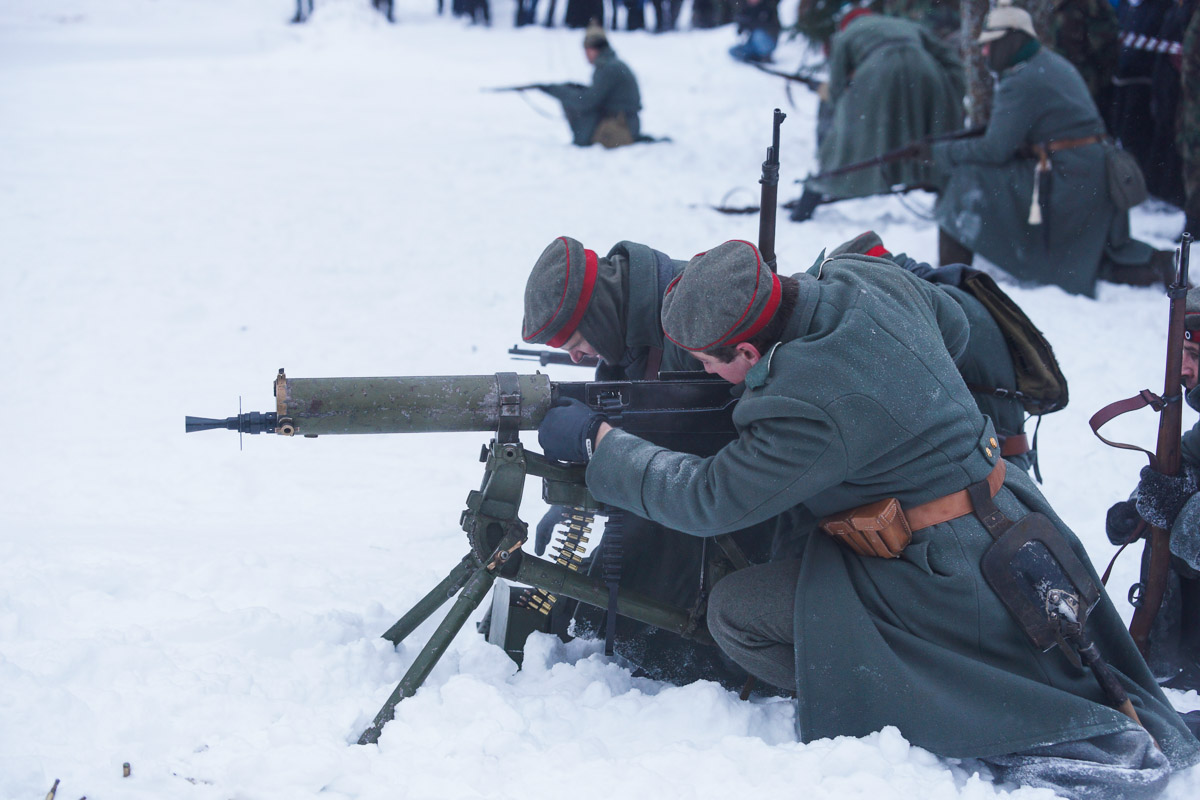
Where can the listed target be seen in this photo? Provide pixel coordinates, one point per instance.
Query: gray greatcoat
(614, 90)
(891, 83)
(862, 401)
(986, 204)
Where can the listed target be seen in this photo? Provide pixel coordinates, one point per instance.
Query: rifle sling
(1113, 410)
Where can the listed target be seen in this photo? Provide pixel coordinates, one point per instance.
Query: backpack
(1041, 387)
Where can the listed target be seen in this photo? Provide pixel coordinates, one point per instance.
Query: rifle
(769, 206)
(689, 414)
(798, 77)
(1146, 596)
(525, 87)
(900, 154)
(545, 357)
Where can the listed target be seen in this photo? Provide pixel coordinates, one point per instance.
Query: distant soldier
(1086, 33)
(891, 82)
(606, 112)
(1189, 123)
(758, 24)
(1031, 195)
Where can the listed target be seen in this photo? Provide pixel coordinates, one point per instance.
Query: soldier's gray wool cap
(558, 292)
(1191, 314)
(722, 297)
(867, 243)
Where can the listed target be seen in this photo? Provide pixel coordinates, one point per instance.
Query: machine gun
(689, 414)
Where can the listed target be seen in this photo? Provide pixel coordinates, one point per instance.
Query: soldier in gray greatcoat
(609, 306)
(1048, 218)
(891, 83)
(851, 396)
(606, 112)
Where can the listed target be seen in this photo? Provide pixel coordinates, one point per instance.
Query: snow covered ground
(194, 194)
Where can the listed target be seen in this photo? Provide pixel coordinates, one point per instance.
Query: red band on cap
(759, 323)
(851, 16)
(878, 251)
(585, 297)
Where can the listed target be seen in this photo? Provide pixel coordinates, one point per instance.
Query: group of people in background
(1087, 116)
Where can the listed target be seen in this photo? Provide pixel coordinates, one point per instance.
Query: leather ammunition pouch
(883, 529)
(877, 529)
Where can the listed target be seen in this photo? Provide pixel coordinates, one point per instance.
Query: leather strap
(1070, 144)
(1113, 410)
(1043, 150)
(1016, 445)
(952, 506)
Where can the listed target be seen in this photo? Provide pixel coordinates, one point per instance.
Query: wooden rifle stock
(1166, 459)
(899, 154)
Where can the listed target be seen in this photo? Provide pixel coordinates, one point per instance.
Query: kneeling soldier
(852, 398)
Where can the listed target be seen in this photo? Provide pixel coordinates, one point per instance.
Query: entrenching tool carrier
(683, 413)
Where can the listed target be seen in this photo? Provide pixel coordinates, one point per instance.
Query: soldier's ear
(750, 352)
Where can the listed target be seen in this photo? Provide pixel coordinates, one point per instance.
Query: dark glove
(545, 528)
(1160, 497)
(1121, 524)
(568, 431)
(922, 152)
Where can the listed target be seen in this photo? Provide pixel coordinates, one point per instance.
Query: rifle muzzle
(251, 422)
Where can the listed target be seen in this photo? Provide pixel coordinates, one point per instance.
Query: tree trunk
(979, 80)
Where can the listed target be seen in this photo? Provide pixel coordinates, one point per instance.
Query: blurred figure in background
(758, 23)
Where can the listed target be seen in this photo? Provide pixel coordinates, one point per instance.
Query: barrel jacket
(862, 401)
(614, 90)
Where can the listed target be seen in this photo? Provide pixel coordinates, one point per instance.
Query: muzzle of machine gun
(250, 422)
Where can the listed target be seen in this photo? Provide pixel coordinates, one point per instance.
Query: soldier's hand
(545, 528)
(823, 91)
(568, 431)
(1160, 497)
(1121, 524)
(922, 152)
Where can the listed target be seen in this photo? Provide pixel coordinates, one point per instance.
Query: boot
(952, 251)
(802, 209)
(1160, 269)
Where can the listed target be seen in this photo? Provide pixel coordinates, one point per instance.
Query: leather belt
(1043, 151)
(1054, 145)
(1015, 445)
(952, 506)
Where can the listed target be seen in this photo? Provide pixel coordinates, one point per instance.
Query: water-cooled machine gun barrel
(663, 411)
(685, 412)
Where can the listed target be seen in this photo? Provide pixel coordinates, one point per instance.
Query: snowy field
(194, 194)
